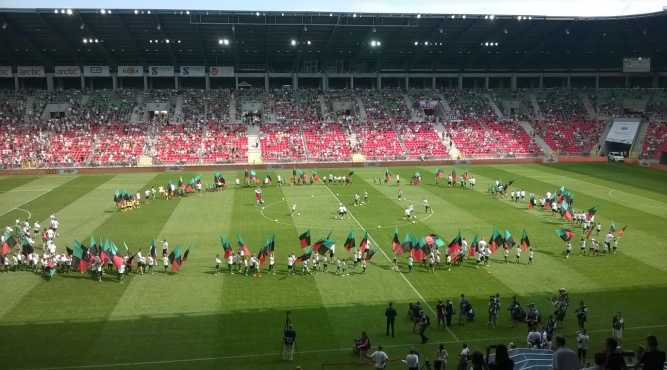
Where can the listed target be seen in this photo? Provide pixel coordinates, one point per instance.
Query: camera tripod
(282, 341)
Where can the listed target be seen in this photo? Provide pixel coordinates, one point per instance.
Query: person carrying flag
(518, 254)
(344, 268)
(217, 264)
(272, 264)
(290, 264)
(582, 247)
(258, 197)
(410, 262)
(506, 253)
(427, 206)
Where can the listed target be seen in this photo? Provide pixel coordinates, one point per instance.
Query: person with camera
(362, 345)
(449, 311)
(581, 312)
(618, 324)
(289, 338)
(582, 346)
(424, 323)
(463, 309)
(493, 311)
(441, 356)
(515, 312)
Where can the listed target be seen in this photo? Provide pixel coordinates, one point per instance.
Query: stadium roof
(307, 41)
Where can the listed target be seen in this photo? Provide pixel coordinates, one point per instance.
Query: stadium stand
(471, 139)
(223, 143)
(512, 139)
(119, 145)
(179, 144)
(385, 104)
(572, 137)
(560, 104)
(194, 106)
(325, 141)
(281, 142)
(420, 138)
(378, 140)
(338, 96)
(218, 105)
(656, 140)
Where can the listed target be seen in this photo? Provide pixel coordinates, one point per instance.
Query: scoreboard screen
(637, 64)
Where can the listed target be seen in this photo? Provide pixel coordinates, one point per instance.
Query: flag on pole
(415, 178)
(323, 246)
(438, 173)
(473, 246)
(612, 227)
(406, 245)
(565, 234)
(496, 240)
(590, 232)
(509, 241)
(509, 183)
(465, 174)
(525, 242)
(349, 242)
(565, 211)
(395, 242)
(453, 174)
(531, 201)
(455, 245)
(226, 247)
(152, 250)
(387, 174)
(8, 244)
(364, 242)
(175, 259)
(620, 232)
(591, 212)
(187, 251)
(315, 176)
(304, 239)
(242, 246)
(417, 252)
(304, 257)
(371, 253)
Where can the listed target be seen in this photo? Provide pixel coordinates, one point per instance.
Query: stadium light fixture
(136, 11)
(96, 41)
(85, 41)
(308, 42)
(492, 16)
(441, 30)
(159, 26)
(567, 31)
(354, 15)
(305, 28)
(486, 17)
(62, 11)
(373, 43)
(187, 12)
(293, 42)
(257, 14)
(453, 16)
(56, 11)
(167, 41)
(179, 41)
(148, 12)
(82, 26)
(103, 11)
(463, 16)
(416, 43)
(151, 41)
(69, 11)
(419, 16)
(425, 43)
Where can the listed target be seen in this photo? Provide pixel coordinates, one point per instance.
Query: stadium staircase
(408, 102)
(398, 136)
(303, 140)
(178, 110)
(592, 114)
(538, 139)
(362, 109)
(536, 105)
(494, 141)
(638, 144)
(603, 136)
(446, 108)
(232, 109)
(323, 105)
(84, 99)
(529, 359)
(254, 153)
(495, 108)
(93, 146)
(29, 106)
(136, 118)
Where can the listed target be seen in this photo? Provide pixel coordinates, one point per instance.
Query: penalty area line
(218, 358)
(27, 201)
(389, 259)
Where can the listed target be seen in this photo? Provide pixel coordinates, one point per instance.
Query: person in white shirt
(147, 195)
(305, 268)
(293, 208)
(564, 358)
(472, 182)
(518, 254)
(582, 346)
(379, 357)
(272, 264)
(153, 192)
(582, 247)
(412, 360)
(290, 265)
(151, 262)
(165, 262)
(36, 228)
(280, 181)
(230, 264)
(165, 247)
(427, 206)
(506, 253)
(530, 256)
(121, 273)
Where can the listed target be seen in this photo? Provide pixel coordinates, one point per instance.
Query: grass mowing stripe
(218, 358)
(12, 182)
(389, 259)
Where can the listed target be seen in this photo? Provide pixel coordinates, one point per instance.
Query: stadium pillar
(568, 81)
(541, 81)
(486, 82)
(378, 85)
(627, 81)
(83, 82)
(513, 82)
(597, 82)
(16, 81)
(656, 80)
(433, 82)
(295, 81)
(236, 81)
(207, 81)
(325, 81)
(49, 82)
(352, 82)
(460, 81)
(145, 82)
(266, 81)
(175, 82)
(407, 81)
(92, 85)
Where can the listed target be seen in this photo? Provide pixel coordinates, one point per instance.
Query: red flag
(590, 232)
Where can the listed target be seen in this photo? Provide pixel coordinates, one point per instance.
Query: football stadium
(309, 185)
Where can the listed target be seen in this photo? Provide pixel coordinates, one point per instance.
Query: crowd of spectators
(119, 145)
(218, 105)
(12, 106)
(471, 138)
(521, 95)
(512, 139)
(281, 141)
(656, 140)
(123, 104)
(560, 104)
(325, 141)
(377, 140)
(385, 104)
(657, 107)
(418, 95)
(178, 143)
(194, 106)
(468, 104)
(572, 137)
(225, 142)
(249, 95)
(338, 96)
(420, 138)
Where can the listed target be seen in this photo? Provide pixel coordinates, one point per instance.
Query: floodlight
(293, 42)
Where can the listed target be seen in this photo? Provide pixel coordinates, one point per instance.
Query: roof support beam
(68, 47)
(170, 47)
(91, 32)
(45, 61)
(559, 33)
(132, 40)
(201, 45)
(360, 50)
(297, 52)
(332, 36)
(266, 54)
(492, 36)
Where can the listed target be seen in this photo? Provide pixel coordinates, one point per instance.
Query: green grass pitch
(196, 320)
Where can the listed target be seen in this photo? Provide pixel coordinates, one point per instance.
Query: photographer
(618, 324)
(516, 314)
(581, 312)
(441, 358)
(493, 311)
(289, 338)
(502, 359)
(533, 316)
(560, 304)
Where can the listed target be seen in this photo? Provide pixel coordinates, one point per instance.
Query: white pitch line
(27, 201)
(28, 212)
(218, 358)
(389, 259)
